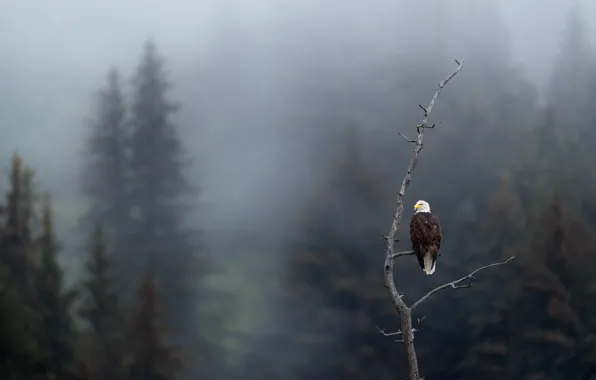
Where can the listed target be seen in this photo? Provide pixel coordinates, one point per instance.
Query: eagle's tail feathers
(429, 263)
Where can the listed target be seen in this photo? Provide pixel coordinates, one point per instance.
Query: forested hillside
(507, 176)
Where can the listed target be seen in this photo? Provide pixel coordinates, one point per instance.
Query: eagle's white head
(422, 206)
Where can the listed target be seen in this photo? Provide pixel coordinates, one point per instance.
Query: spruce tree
(104, 175)
(20, 352)
(101, 310)
(553, 317)
(497, 236)
(159, 190)
(54, 303)
(569, 88)
(16, 240)
(20, 323)
(332, 295)
(148, 356)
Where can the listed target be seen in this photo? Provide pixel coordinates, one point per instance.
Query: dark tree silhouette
(104, 175)
(54, 304)
(148, 355)
(20, 353)
(329, 272)
(19, 254)
(101, 310)
(553, 324)
(160, 241)
(497, 235)
(573, 67)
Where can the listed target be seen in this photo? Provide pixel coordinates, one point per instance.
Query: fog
(251, 76)
(246, 58)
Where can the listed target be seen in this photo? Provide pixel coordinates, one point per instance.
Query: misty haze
(201, 190)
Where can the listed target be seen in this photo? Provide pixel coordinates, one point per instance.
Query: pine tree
(16, 241)
(148, 357)
(487, 330)
(54, 304)
(333, 295)
(20, 324)
(101, 310)
(568, 137)
(20, 353)
(574, 69)
(159, 187)
(104, 176)
(552, 324)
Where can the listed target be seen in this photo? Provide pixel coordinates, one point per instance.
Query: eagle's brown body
(425, 233)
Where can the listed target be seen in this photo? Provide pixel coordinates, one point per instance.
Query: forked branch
(402, 309)
(457, 284)
(395, 255)
(399, 332)
(405, 313)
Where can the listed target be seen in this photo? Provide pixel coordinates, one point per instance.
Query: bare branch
(395, 255)
(457, 284)
(382, 331)
(406, 138)
(399, 332)
(434, 125)
(402, 309)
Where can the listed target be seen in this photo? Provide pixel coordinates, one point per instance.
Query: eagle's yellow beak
(417, 206)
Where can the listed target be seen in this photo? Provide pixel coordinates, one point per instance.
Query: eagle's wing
(417, 235)
(419, 228)
(425, 230)
(434, 225)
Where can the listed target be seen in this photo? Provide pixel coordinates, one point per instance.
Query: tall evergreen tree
(20, 324)
(148, 355)
(568, 137)
(574, 77)
(333, 295)
(19, 253)
(159, 189)
(486, 336)
(54, 304)
(100, 308)
(552, 325)
(104, 175)
(20, 352)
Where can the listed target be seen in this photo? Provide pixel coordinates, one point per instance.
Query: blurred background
(197, 190)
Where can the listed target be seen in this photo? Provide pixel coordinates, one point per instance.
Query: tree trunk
(408, 337)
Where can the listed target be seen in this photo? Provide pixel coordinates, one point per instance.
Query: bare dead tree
(404, 312)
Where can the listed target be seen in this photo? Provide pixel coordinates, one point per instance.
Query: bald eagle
(425, 233)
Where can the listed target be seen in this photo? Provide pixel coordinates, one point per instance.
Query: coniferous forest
(172, 250)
